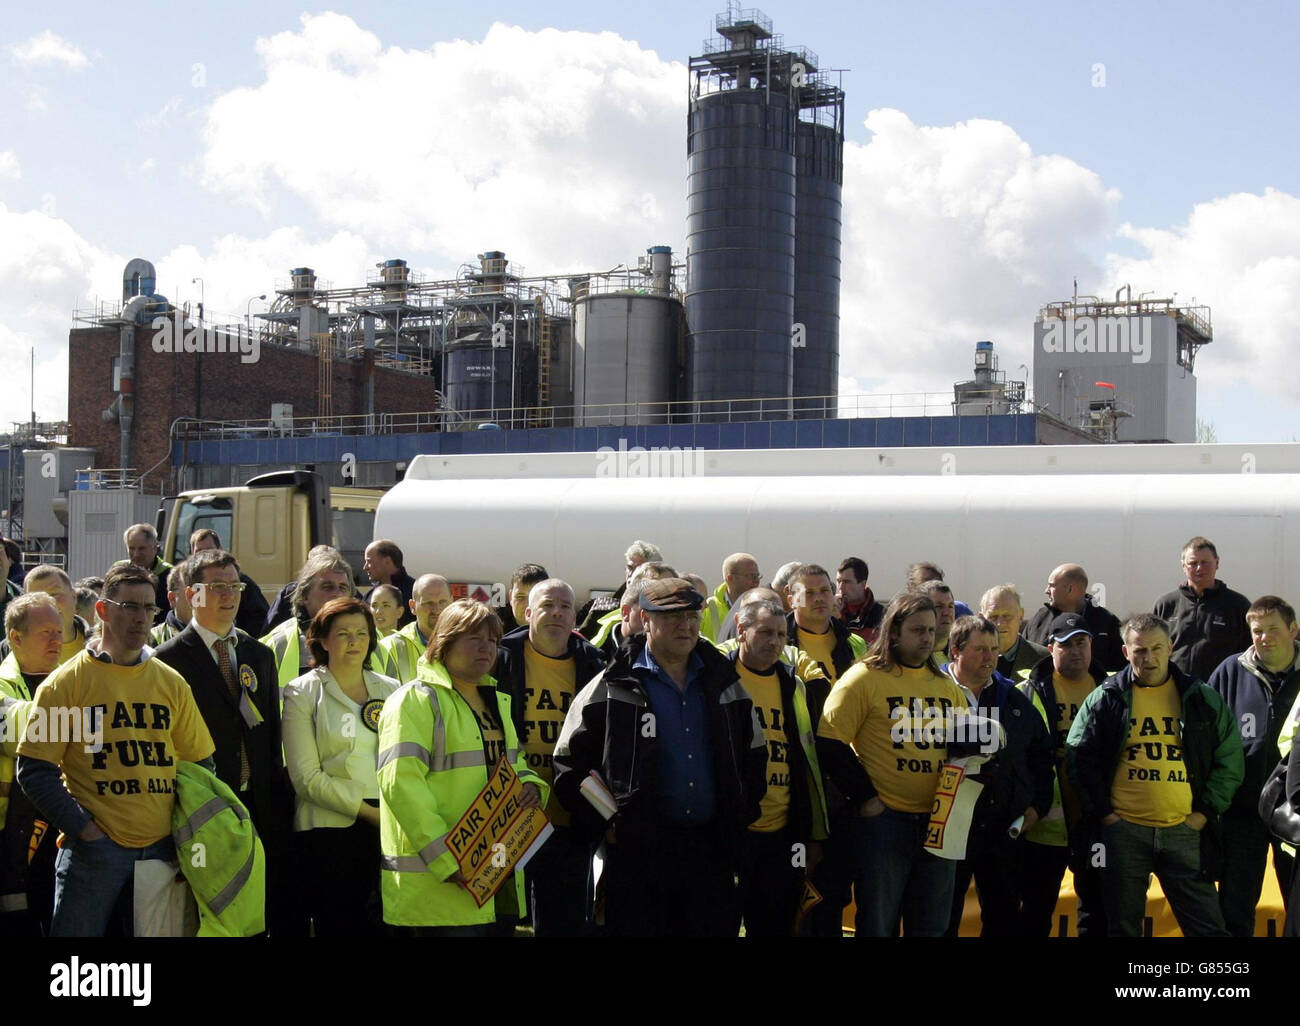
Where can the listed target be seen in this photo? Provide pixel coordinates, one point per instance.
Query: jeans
(1245, 857)
(92, 877)
(770, 884)
(1173, 853)
(897, 877)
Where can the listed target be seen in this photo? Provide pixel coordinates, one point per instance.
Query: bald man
(1067, 592)
(739, 574)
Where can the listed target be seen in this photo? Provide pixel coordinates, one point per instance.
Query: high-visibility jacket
(399, 653)
(605, 627)
(716, 607)
(15, 708)
(432, 765)
(286, 643)
(1287, 736)
(220, 854)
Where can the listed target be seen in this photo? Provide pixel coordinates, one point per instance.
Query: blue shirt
(686, 777)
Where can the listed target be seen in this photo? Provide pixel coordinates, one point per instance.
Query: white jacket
(320, 727)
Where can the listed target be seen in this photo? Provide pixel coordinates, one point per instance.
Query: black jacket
(269, 791)
(1020, 774)
(607, 731)
(509, 671)
(281, 609)
(1107, 644)
(1205, 629)
(590, 614)
(1028, 655)
(1260, 711)
(251, 618)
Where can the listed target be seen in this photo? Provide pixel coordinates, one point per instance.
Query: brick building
(212, 385)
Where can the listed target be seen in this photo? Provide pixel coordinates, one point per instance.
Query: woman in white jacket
(331, 748)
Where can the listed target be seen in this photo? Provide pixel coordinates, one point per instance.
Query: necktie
(228, 671)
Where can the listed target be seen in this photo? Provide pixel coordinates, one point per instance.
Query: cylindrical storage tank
(819, 158)
(562, 371)
(661, 267)
(624, 348)
(740, 252)
(478, 380)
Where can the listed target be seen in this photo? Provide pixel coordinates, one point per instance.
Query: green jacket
(432, 765)
(220, 854)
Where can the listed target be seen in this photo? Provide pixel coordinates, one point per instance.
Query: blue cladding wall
(870, 432)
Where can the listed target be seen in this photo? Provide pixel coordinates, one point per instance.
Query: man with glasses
(326, 575)
(1207, 619)
(739, 574)
(671, 732)
(251, 618)
(104, 735)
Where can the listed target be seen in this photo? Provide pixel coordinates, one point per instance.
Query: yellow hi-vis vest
(1285, 737)
(431, 768)
(220, 854)
(606, 625)
(716, 607)
(15, 708)
(1051, 829)
(399, 654)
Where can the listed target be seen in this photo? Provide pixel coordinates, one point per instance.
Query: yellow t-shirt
(71, 648)
(117, 732)
(897, 721)
(819, 648)
(1069, 699)
(548, 692)
(494, 735)
(1151, 787)
(765, 691)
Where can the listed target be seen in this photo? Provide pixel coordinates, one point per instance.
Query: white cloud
(35, 101)
(146, 166)
(564, 148)
(48, 48)
(46, 268)
(9, 165)
(952, 235)
(1239, 255)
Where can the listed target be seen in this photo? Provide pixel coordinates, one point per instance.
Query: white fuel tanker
(986, 515)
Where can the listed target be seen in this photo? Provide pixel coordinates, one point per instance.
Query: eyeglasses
(221, 588)
(134, 608)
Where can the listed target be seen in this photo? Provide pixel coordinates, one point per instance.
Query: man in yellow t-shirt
(1155, 756)
(113, 722)
(542, 666)
(882, 740)
(784, 841)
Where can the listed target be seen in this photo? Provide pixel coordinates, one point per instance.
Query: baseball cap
(1067, 625)
(669, 595)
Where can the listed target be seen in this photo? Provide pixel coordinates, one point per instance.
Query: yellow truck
(271, 521)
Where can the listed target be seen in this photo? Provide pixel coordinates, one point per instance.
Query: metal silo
(819, 143)
(740, 234)
(625, 346)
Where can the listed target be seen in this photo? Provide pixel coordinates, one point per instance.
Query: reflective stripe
(735, 693)
(512, 755)
(402, 863)
(435, 848)
(405, 748)
(210, 808)
(231, 891)
(458, 760)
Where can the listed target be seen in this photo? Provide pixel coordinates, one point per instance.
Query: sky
(995, 153)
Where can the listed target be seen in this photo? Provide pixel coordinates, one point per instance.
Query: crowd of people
(769, 754)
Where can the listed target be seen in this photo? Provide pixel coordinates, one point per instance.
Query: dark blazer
(268, 797)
